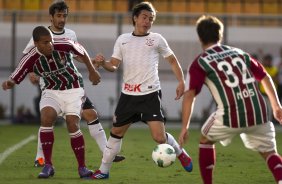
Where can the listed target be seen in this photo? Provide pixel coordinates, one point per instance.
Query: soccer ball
(163, 155)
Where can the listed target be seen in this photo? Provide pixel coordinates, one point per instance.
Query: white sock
(97, 132)
(112, 149)
(39, 147)
(171, 141)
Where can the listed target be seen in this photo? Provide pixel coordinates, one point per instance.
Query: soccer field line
(17, 146)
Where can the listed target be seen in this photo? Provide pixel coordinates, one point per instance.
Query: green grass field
(235, 164)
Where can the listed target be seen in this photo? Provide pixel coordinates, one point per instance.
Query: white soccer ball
(164, 155)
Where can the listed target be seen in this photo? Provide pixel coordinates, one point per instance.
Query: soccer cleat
(39, 162)
(84, 172)
(119, 158)
(186, 161)
(98, 175)
(47, 171)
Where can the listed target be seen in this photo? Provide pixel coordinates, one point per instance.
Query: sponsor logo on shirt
(132, 87)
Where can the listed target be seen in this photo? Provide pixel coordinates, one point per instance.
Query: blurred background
(253, 25)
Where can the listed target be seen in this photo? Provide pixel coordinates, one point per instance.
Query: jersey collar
(217, 44)
(56, 33)
(140, 35)
(38, 51)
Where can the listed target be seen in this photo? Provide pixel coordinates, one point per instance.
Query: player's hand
(183, 137)
(94, 77)
(95, 64)
(180, 90)
(99, 60)
(8, 84)
(277, 113)
(33, 78)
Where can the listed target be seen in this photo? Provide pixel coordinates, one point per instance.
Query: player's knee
(117, 131)
(89, 115)
(160, 139)
(205, 140)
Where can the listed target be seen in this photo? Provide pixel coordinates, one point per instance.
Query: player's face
(59, 20)
(143, 22)
(45, 45)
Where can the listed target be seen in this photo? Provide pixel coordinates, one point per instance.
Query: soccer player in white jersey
(58, 12)
(140, 98)
(231, 75)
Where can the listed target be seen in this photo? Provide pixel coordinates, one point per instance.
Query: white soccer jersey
(66, 33)
(140, 57)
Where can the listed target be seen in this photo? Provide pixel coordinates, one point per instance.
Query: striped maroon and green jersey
(57, 71)
(231, 75)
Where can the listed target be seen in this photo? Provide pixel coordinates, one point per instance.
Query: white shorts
(259, 138)
(65, 102)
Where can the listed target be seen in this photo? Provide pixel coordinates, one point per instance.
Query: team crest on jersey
(149, 42)
(62, 59)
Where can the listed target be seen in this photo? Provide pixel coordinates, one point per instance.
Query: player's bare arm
(8, 84)
(187, 109)
(178, 72)
(270, 90)
(110, 66)
(94, 75)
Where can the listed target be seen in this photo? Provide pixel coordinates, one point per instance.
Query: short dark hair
(40, 31)
(209, 29)
(142, 6)
(59, 5)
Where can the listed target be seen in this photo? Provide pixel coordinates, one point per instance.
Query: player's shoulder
(125, 36)
(156, 35)
(70, 31)
(63, 41)
(32, 54)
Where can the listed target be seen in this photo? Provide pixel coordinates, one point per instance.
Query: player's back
(230, 78)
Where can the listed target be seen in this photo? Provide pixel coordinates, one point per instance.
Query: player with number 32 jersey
(228, 73)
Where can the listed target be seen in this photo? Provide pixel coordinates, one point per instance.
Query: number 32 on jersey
(228, 69)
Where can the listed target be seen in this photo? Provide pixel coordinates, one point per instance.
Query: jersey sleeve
(257, 69)
(164, 48)
(68, 45)
(195, 78)
(117, 49)
(24, 67)
(29, 46)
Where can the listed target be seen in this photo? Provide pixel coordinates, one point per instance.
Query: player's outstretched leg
(97, 132)
(182, 155)
(113, 147)
(78, 147)
(207, 160)
(39, 159)
(274, 162)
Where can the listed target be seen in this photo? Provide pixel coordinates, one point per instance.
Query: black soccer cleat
(119, 158)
